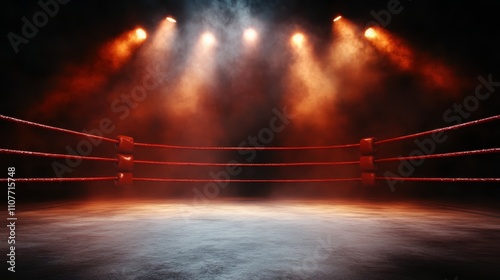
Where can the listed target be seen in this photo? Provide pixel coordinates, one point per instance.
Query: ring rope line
(52, 180)
(180, 180)
(453, 127)
(63, 156)
(278, 164)
(442, 180)
(443, 155)
(246, 164)
(161, 146)
(175, 146)
(50, 155)
(53, 128)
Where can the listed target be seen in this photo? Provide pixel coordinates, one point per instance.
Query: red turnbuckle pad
(125, 163)
(367, 164)
(367, 146)
(368, 179)
(125, 145)
(124, 179)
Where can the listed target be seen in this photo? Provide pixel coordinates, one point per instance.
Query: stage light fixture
(298, 39)
(250, 35)
(208, 38)
(141, 34)
(370, 33)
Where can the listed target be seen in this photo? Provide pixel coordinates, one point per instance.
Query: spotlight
(140, 34)
(337, 18)
(208, 39)
(370, 33)
(250, 35)
(298, 39)
(171, 19)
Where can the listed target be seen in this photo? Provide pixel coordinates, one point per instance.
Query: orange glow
(370, 33)
(197, 74)
(84, 81)
(161, 42)
(350, 51)
(337, 18)
(208, 39)
(397, 51)
(309, 89)
(170, 19)
(437, 74)
(298, 39)
(250, 35)
(121, 48)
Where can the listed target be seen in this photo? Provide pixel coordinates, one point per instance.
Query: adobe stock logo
(314, 260)
(39, 19)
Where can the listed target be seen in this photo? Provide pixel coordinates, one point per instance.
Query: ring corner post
(125, 161)
(368, 150)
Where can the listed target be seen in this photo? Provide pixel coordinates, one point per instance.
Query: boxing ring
(240, 238)
(366, 163)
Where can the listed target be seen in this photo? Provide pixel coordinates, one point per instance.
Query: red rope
(174, 180)
(58, 129)
(45, 180)
(245, 148)
(442, 180)
(454, 154)
(453, 127)
(39, 154)
(245, 164)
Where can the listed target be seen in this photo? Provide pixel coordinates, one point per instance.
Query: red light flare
(78, 82)
(434, 72)
(120, 50)
(438, 75)
(397, 51)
